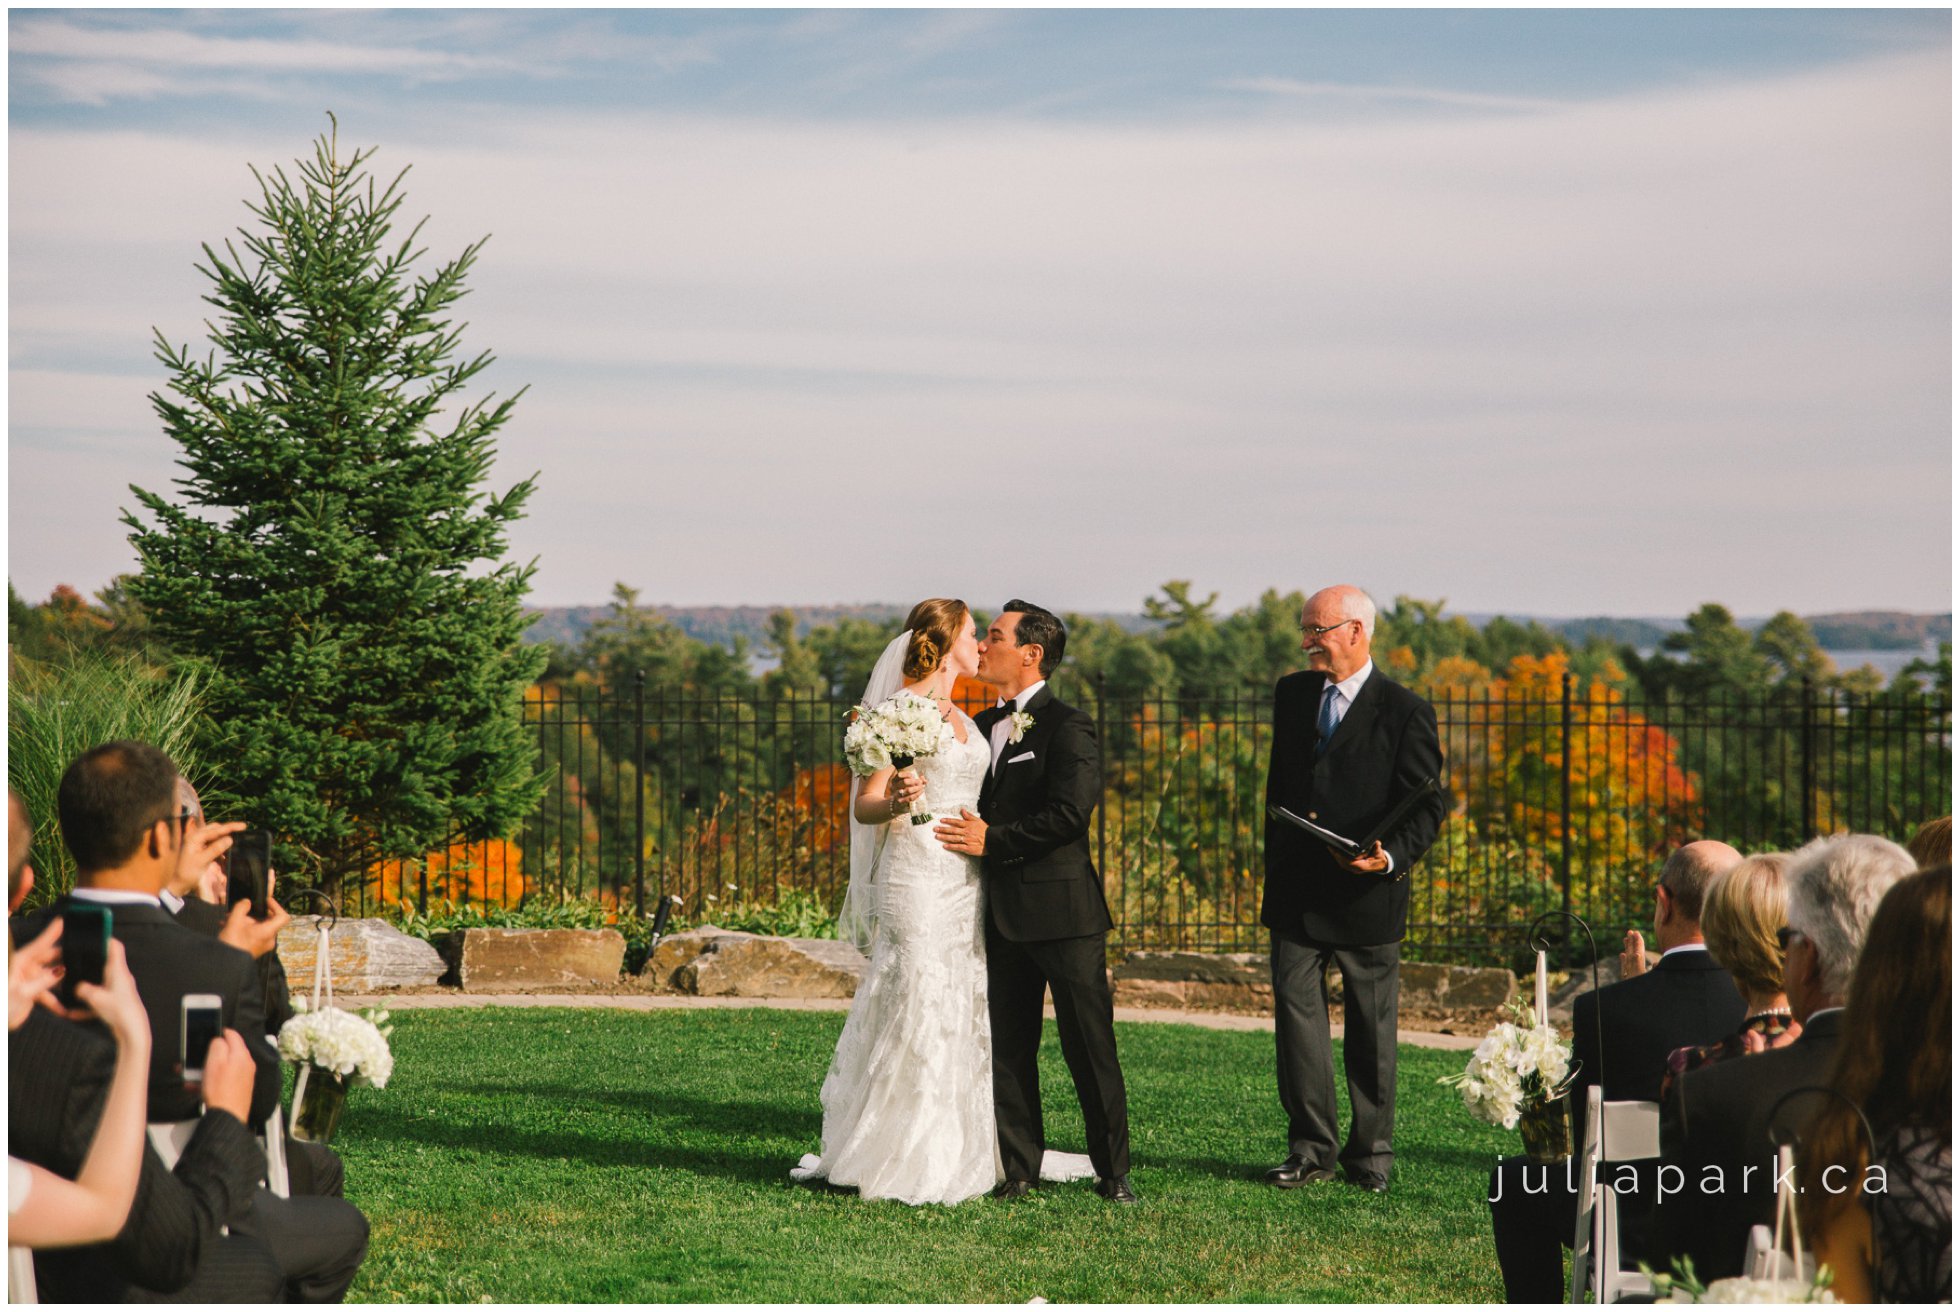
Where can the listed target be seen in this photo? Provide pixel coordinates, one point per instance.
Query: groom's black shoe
(1013, 1188)
(1116, 1189)
(1295, 1171)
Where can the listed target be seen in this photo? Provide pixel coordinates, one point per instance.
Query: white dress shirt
(997, 736)
(115, 897)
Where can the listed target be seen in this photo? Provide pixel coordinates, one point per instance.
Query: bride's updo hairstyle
(935, 624)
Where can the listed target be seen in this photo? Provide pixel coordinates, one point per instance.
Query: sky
(1542, 312)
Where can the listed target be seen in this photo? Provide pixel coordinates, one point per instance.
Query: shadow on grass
(668, 1117)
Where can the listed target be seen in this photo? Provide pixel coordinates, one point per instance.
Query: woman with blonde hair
(1741, 911)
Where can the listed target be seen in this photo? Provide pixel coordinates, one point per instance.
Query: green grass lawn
(609, 1156)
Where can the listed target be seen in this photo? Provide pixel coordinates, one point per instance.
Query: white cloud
(1516, 346)
(1378, 94)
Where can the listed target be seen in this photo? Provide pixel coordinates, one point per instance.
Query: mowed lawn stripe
(564, 1155)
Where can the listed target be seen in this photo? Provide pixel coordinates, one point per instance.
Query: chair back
(20, 1276)
(1619, 1131)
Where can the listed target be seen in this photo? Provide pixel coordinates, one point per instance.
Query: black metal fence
(1564, 798)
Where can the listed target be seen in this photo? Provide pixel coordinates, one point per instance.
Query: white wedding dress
(908, 1105)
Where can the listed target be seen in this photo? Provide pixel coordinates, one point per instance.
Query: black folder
(1341, 842)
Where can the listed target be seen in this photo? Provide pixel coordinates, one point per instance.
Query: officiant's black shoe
(1013, 1188)
(1295, 1171)
(1116, 1189)
(1374, 1184)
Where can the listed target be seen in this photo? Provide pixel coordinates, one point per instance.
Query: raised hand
(257, 937)
(1633, 955)
(116, 1003)
(32, 973)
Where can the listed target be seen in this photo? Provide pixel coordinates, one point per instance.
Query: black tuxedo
(1719, 1117)
(1320, 913)
(1625, 1031)
(1382, 749)
(58, 1075)
(170, 960)
(1046, 922)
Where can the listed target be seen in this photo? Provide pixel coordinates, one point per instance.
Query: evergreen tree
(333, 557)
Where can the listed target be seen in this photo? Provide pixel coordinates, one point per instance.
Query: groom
(1046, 912)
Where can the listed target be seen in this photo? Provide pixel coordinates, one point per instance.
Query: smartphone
(85, 929)
(248, 870)
(203, 1022)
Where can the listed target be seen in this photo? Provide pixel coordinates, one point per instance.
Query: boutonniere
(1022, 722)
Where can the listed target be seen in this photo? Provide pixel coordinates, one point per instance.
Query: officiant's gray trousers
(1371, 984)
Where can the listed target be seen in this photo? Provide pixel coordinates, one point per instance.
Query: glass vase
(316, 1113)
(1547, 1131)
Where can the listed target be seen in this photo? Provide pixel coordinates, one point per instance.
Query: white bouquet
(1682, 1286)
(354, 1048)
(1516, 1067)
(893, 736)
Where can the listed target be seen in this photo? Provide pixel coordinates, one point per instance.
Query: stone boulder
(492, 960)
(677, 950)
(751, 966)
(1427, 986)
(1194, 981)
(363, 956)
(1558, 1001)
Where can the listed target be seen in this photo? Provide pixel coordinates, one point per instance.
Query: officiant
(1350, 747)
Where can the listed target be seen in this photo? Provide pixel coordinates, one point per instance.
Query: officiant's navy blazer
(1380, 752)
(1038, 802)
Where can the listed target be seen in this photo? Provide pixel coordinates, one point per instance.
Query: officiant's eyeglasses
(1317, 629)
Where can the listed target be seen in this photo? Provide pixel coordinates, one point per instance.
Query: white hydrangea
(1748, 1289)
(1513, 1068)
(905, 726)
(350, 1046)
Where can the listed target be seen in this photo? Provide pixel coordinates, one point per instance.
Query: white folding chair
(1779, 1256)
(20, 1276)
(1632, 1131)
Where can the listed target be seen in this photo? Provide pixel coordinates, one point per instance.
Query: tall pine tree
(333, 556)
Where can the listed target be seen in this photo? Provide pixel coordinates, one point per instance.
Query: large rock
(1558, 1003)
(1427, 986)
(1197, 967)
(750, 966)
(677, 950)
(489, 960)
(363, 956)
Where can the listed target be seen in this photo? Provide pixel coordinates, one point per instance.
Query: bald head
(1687, 872)
(1337, 627)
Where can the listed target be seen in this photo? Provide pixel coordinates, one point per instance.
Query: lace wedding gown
(908, 1105)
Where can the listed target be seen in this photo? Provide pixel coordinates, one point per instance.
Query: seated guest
(46, 1210)
(121, 820)
(1740, 913)
(1716, 1125)
(1892, 1243)
(1621, 1036)
(1932, 845)
(196, 896)
(63, 1079)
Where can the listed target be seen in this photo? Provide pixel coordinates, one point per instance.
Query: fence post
(1102, 803)
(1565, 790)
(640, 793)
(1809, 759)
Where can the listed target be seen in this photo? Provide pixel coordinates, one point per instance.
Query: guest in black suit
(1349, 744)
(1047, 918)
(1716, 1126)
(194, 896)
(120, 818)
(1621, 1037)
(61, 1078)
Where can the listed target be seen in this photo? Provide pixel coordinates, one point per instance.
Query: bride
(908, 1109)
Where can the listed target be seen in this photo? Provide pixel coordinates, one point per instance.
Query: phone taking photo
(203, 1021)
(248, 870)
(85, 931)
